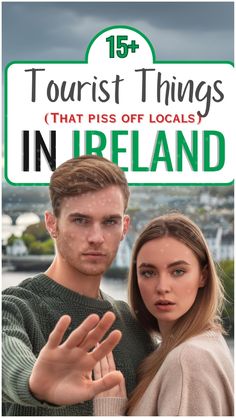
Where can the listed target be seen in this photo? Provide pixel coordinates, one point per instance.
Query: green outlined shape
(86, 61)
(121, 27)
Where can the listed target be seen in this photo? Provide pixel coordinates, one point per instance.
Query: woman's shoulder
(203, 378)
(204, 350)
(207, 342)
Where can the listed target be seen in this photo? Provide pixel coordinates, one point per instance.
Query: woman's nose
(163, 284)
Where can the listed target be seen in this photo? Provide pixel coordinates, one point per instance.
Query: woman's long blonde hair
(204, 314)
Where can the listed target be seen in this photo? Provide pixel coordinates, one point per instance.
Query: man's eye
(110, 222)
(80, 221)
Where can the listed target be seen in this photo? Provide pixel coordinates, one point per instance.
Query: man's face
(89, 230)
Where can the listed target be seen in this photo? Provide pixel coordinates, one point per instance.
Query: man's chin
(93, 270)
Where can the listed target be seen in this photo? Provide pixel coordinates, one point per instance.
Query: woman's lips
(165, 305)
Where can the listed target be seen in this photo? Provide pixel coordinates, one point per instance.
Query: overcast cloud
(62, 30)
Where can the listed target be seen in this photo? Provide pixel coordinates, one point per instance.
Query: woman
(175, 292)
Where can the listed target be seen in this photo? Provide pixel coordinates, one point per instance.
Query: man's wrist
(41, 398)
(33, 392)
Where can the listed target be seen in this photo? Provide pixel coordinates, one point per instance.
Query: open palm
(62, 374)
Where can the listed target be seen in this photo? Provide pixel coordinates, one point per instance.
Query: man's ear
(203, 277)
(51, 223)
(126, 223)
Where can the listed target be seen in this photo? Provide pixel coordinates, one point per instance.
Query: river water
(113, 287)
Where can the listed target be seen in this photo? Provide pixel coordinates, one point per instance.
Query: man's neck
(72, 279)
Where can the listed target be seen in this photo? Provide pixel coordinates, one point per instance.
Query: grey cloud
(62, 30)
(189, 15)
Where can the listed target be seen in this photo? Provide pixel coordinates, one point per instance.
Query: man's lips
(94, 254)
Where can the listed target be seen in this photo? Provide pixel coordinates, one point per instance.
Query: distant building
(124, 255)
(221, 245)
(18, 248)
(227, 247)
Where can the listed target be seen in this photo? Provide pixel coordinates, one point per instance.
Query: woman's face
(169, 276)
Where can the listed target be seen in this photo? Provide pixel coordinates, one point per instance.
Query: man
(53, 321)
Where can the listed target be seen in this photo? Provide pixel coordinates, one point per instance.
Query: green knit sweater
(30, 312)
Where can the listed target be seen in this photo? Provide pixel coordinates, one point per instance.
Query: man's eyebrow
(113, 216)
(79, 215)
(86, 216)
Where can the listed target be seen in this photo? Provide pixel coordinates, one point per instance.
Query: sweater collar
(50, 287)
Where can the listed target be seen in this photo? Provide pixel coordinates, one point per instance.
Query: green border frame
(86, 62)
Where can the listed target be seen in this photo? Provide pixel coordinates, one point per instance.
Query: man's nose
(95, 235)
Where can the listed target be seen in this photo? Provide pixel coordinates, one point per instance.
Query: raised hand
(105, 366)
(62, 374)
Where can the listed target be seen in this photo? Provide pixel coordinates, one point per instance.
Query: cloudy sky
(62, 30)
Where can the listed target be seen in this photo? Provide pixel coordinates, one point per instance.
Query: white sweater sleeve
(109, 406)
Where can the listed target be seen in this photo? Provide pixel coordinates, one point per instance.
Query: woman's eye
(146, 273)
(178, 272)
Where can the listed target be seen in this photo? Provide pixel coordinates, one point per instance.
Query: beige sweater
(196, 379)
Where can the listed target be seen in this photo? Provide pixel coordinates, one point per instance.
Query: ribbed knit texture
(196, 379)
(30, 311)
(109, 406)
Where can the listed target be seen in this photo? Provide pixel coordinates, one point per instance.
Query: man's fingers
(87, 334)
(106, 346)
(81, 332)
(98, 333)
(93, 334)
(107, 382)
(58, 332)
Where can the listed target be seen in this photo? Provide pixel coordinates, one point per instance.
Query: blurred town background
(27, 248)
